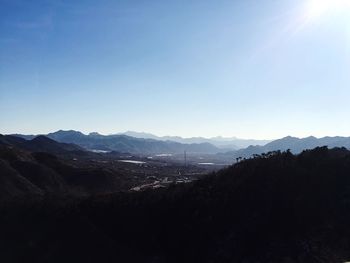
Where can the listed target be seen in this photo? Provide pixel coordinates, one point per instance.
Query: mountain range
(127, 144)
(294, 144)
(232, 143)
(146, 143)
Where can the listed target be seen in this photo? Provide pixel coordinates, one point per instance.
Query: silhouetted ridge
(42, 139)
(10, 140)
(43, 143)
(40, 144)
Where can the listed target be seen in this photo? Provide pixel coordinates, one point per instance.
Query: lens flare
(318, 8)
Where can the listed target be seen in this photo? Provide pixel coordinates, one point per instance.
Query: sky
(259, 69)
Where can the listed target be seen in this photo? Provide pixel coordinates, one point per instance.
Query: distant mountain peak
(289, 137)
(94, 134)
(311, 137)
(67, 132)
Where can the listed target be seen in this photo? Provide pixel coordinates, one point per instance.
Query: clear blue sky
(252, 69)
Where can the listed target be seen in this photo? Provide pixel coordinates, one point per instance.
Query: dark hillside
(274, 208)
(28, 173)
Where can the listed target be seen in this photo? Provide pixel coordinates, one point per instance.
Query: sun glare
(317, 8)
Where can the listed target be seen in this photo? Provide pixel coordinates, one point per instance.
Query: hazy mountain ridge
(294, 144)
(124, 143)
(221, 142)
(151, 145)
